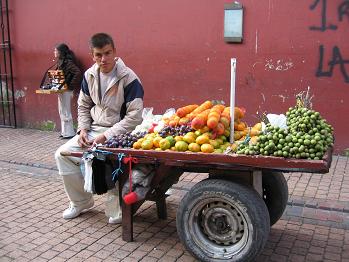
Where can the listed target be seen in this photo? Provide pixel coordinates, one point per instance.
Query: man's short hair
(100, 40)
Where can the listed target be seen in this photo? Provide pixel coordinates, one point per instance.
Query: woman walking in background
(66, 61)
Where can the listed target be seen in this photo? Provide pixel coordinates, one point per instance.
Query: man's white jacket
(119, 108)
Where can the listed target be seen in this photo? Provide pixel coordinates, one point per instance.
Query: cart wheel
(218, 220)
(275, 194)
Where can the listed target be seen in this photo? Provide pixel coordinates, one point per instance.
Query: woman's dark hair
(100, 40)
(65, 53)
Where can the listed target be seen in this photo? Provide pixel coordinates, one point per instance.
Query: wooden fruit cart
(226, 217)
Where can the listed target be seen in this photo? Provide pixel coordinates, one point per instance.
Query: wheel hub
(222, 223)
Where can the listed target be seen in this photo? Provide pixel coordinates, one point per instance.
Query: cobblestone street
(314, 227)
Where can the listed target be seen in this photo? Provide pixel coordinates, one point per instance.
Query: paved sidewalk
(314, 227)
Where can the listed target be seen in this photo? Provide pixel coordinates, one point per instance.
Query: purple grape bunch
(175, 131)
(125, 140)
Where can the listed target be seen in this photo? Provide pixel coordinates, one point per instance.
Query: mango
(207, 148)
(189, 137)
(203, 139)
(164, 144)
(147, 144)
(181, 146)
(194, 147)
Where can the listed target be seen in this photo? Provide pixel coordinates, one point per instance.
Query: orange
(164, 144)
(147, 144)
(203, 139)
(156, 141)
(178, 138)
(137, 145)
(225, 121)
(181, 146)
(194, 147)
(207, 148)
(189, 137)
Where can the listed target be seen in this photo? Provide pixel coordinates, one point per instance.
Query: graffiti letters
(324, 25)
(343, 10)
(337, 59)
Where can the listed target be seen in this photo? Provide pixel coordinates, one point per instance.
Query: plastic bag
(148, 120)
(277, 120)
(161, 124)
(86, 170)
(112, 203)
(142, 176)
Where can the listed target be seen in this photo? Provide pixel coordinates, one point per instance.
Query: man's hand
(100, 139)
(83, 139)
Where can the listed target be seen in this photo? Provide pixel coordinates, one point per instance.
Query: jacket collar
(121, 69)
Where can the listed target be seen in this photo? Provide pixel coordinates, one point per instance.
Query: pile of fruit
(191, 141)
(195, 128)
(307, 136)
(206, 128)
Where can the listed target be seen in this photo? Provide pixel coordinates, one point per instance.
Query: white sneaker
(74, 211)
(115, 220)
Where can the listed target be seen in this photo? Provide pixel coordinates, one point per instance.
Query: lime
(299, 135)
(319, 154)
(301, 148)
(306, 142)
(319, 148)
(329, 140)
(171, 140)
(271, 144)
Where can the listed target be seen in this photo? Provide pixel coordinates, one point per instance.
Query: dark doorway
(7, 99)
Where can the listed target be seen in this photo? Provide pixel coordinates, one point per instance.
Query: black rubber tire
(275, 194)
(219, 220)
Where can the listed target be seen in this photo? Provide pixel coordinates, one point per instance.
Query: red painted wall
(177, 49)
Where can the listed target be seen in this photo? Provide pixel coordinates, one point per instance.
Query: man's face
(104, 57)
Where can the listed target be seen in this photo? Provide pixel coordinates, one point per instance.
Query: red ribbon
(130, 160)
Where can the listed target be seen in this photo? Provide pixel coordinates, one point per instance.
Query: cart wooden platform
(225, 217)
